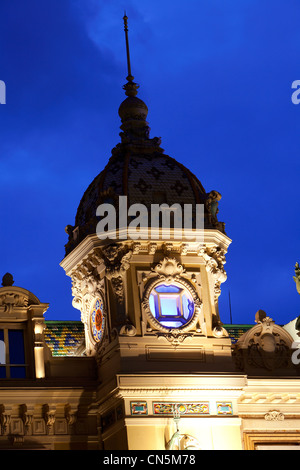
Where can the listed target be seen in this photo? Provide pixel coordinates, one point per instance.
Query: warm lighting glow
(39, 362)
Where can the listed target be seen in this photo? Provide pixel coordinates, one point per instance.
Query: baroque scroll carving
(11, 300)
(214, 258)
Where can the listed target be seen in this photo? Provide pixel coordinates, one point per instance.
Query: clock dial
(171, 305)
(97, 319)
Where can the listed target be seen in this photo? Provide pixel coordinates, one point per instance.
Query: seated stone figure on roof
(297, 277)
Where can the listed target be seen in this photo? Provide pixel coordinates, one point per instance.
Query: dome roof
(145, 178)
(139, 169)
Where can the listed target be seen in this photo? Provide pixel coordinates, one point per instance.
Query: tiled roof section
(63, 337)
(236, 331)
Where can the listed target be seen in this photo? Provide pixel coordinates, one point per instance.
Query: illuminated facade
(150, 366)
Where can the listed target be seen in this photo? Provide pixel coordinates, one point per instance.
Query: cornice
(211, 237)
(178, 382)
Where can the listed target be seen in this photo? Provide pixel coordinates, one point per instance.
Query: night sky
(216, 77)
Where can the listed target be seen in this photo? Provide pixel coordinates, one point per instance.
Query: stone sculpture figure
(297, 277)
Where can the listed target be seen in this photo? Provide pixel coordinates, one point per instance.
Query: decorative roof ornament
(297, 277)
(132, 111)
(7, 280)
(130, 87)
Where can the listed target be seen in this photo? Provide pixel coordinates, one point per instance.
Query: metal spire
(129, 77)
(130, 87)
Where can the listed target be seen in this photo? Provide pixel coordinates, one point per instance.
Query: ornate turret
(139, 169)
(157, 291)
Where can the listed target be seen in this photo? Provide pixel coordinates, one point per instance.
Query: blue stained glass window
(171, 305)
(163, 288)
(12, 354)
(16, 347)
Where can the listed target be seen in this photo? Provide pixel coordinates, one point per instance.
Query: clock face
(97, 319)
(171, 305)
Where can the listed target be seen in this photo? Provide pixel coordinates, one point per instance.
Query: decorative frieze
(162, 408)
(219, 408)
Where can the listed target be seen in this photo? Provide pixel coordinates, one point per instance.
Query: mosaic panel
(182, 408)
(224, 408)
(138, 408)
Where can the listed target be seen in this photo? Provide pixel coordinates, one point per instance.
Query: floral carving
(274, 416)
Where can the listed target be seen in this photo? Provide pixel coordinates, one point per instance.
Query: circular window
(97, 319)
(171, 305)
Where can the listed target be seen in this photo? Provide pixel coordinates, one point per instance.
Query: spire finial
(130, 87)
(129, 77)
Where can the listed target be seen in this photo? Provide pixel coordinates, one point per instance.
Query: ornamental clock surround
(97, 319)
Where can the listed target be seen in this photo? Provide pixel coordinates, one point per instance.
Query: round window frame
(182, 283)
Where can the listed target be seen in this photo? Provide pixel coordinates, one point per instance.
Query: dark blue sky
(216, 77)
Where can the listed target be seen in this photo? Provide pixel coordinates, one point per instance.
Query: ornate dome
(139, 169)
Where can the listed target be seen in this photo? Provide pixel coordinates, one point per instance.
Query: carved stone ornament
(118, 288)
(214, 258)
(181, 441)
(11, 300)
(70, 415)
(49, 417)
(274, 416)
(4, 420)
(26, 417)
(297, 277)
(116, 259)
(170, 271)
(85, 288)
(175, 336)
(265, 346)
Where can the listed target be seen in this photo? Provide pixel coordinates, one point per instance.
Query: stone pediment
(16, 299)
(265, 349)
